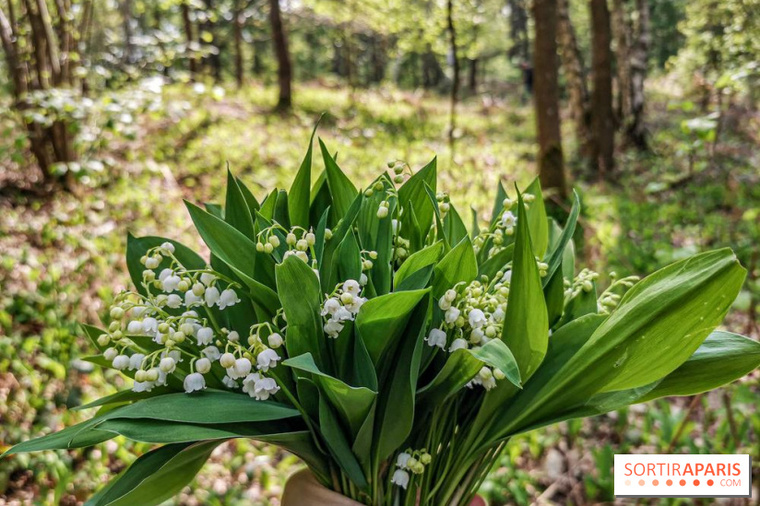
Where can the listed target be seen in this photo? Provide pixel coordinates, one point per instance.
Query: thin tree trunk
(126, 14)
(190, 40)
(518, 30)
(636, 132)
(601, 97)
(622, 31)
(455, 63)
(472, 80)
(551, 169)
(284, 70)
(575, 74)
(238, 36)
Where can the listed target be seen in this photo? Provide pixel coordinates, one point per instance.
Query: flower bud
(203, 365)
(260, 247)
(151, 375)
(148, 275)
(183, 285)
(268, 248)
(117, 313)
(382, 212)
(274, 340)
(167, 365)
(104, 339)
(110, 354)
(275, 241)
(311, 239)
(290, 239)
(227, 360)
(140, 375)
(346, 298)
(328, 234)
(302, 245)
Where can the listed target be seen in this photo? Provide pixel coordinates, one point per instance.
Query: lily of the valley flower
(267, 359)
(400, 478)
(437, 337)
(228, 298)
(194, 382)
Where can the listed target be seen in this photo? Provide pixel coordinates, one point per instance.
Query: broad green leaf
(253, 204)
(236, 211)
(301, 299)
(236, 250)
(498, 205)
(463, 365)
(328, 274)
(658, 325)
(453, 226)
(417, 260)
(338, 444)
(218, 407)
(537, 221)
(351, 403)
(268, 205)
(413, 190)
(418, 280)
(526, 326)
(156, 476)
(497, 262)
(349, 260)
(122, 397)
(299, 198)
(475, 230)
(396, 400)
(722, 358)
(155, 431)
(376, 234)
(342, 190)
(458, 265)
(320, 200)
(281, 209)
(554, 294)
(555, 259)
(80, 435)
(381, 322)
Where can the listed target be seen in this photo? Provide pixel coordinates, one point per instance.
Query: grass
(62, 257)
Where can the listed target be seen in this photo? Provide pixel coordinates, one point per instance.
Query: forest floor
(62, 260)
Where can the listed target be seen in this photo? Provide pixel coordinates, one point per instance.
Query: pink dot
(682, 482)
(655, 483)
(710, 483)
(641, 483)
(627, 483)
(696, 482)
(669, 482)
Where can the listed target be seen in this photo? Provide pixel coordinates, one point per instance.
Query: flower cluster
(342, 306)
(473, 314)
(298, 242)
(175, 310)
(410, 461)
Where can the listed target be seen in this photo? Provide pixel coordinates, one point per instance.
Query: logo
(683, 476)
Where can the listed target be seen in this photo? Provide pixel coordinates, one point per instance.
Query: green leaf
(458, 265)
(526, 325)
(301, 300)
(236, 211)
(413, 190)
(557, 255)
(722, 358)
(328, 274)
(464, 364)
(554, 294)
(155, 431)
(122, 397)
(218, 407)
(497, 262)
(299, 199)
(253, 204)
(381, 322)
(453, 226)
(349, 258)
(417, 260)
(156, 476)
(658, 325)
(537, 222)
(498, 205)
(475, 231)
(342, 190)
(352, 403)
(76, 436)
(237, 251)
(396, 400)
(338, 444)
(418, 280)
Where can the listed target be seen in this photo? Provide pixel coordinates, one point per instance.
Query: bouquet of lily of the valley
(394, 350)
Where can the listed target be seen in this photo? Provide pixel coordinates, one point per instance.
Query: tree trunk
(601, 98)
(575, 74)
(622, 31)
(284, 70)
(432, 73)
(237, 26)
(472, 79)
(455, 67)
(636, 131)
(187, 22)
(518, 31)
(551, 169)
(126, 15)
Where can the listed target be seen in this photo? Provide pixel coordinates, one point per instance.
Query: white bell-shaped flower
(228, 298)
(211, 296)
(458, 344)
(437, 337)
(194, 382)
(477, 318)
(204, 336)
(451, 315)
(267, 359)
(400, 478)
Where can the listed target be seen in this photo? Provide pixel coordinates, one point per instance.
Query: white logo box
(667, 475)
